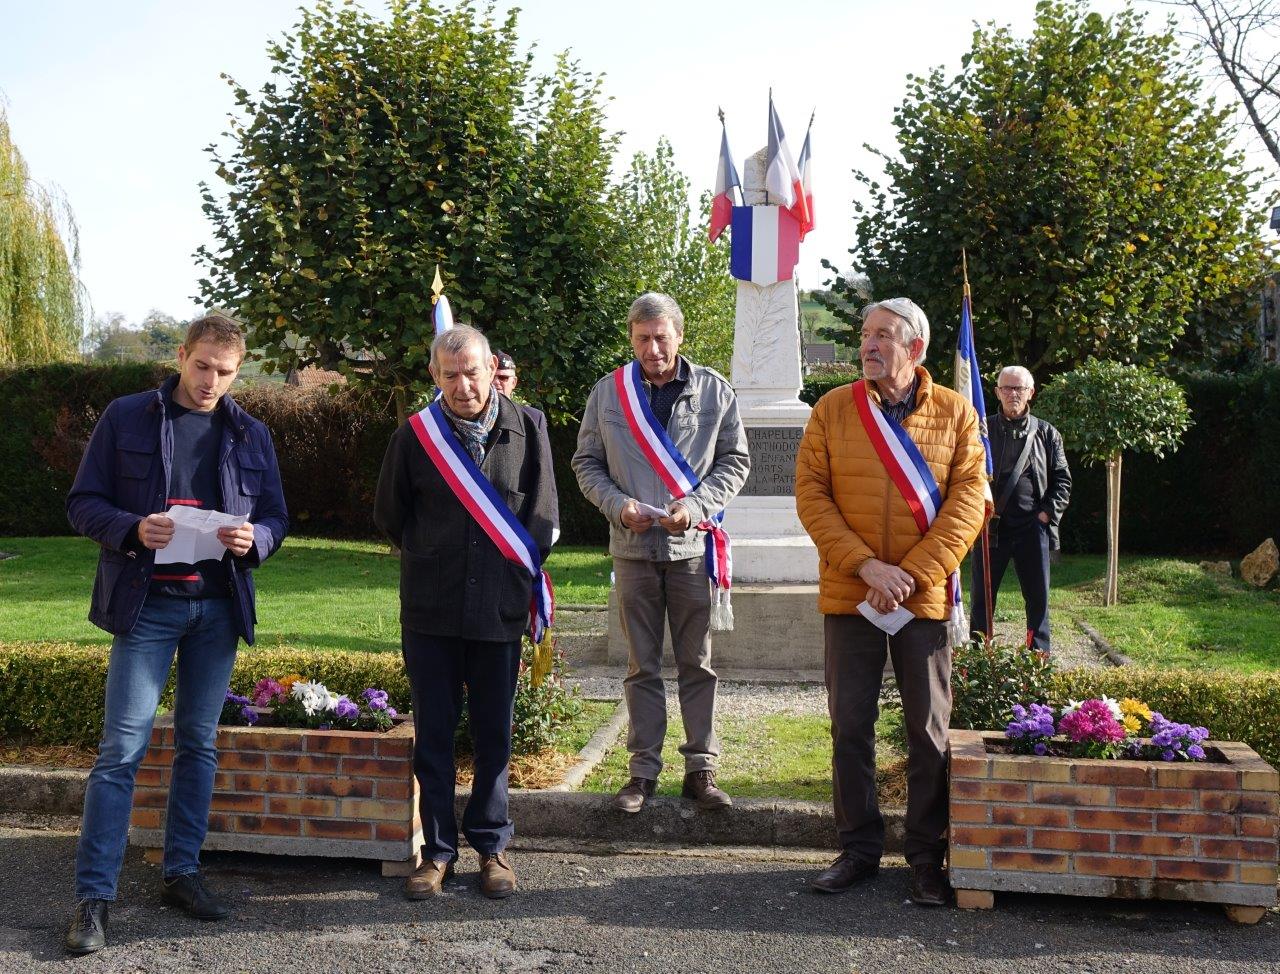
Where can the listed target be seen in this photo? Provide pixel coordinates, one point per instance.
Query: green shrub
(821, 381)
(1233, 707)
(988, 678)
(52, 693)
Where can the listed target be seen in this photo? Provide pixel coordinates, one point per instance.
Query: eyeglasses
(1013, 388)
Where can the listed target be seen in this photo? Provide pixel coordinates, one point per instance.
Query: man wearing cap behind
(890, 486)
(466, 492)
(186, 444)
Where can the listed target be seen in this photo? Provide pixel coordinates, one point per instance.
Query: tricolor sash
(477, 495)
(680, 479)
(910, 473)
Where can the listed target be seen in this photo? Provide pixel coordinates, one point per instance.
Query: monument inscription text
(773, 452)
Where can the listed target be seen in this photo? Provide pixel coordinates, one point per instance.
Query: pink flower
(1092, 722)
(265, 692)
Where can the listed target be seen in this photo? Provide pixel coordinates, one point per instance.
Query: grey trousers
(649, 594)
(855, 656)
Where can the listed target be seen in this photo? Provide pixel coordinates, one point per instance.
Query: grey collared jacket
(611, 469)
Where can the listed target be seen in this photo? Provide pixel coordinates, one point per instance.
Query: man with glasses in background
(1032, 487)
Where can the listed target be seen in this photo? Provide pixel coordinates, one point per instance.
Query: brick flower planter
(296, 792)
(1130, 829)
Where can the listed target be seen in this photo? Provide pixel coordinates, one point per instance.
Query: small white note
(890, 622)
(195, 535)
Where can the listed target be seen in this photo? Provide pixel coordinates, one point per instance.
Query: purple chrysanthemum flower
(391, 712)
(250, 715)
(346, 709)
(1195, 752)
(1041, 748)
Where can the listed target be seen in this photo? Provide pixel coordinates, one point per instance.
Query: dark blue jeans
(203, 634)
(1028, 549)
(439, 668)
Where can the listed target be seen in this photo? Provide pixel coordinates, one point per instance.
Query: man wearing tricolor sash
(467, 494)
(890, 486)
(663, 434)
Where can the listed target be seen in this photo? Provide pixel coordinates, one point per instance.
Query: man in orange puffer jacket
(873, 552)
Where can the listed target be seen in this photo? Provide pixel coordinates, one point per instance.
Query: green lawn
(1171, 612)
(314, 593)
(319, 593)
(777, 756)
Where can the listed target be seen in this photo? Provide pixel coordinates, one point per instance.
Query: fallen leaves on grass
(48, 755)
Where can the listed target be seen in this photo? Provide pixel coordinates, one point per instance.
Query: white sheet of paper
(195, 535)
(890, 622)
(648, 510)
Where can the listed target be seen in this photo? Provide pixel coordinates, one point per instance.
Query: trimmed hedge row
(53, 693)
(1211, 496)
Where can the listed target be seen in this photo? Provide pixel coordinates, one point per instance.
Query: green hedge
(1234, 707)
(53, 693)
(1210, 496)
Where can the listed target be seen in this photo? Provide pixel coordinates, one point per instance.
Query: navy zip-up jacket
(124, 476)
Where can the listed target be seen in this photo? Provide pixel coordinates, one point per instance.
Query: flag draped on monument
(765, 246)
(726, 180)
(969, 382)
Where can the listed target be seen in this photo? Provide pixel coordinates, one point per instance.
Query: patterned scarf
(474, 432)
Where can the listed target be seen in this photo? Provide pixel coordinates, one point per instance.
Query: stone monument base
(776, 627)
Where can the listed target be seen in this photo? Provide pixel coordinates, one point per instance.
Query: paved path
(581, 913)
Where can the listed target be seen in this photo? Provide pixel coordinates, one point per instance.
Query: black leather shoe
(929, 886)
(701, 787)
(634, 794)
(845, 873)
(87, 930)
(190, 893)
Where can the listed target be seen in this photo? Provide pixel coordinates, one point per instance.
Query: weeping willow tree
(41, 298)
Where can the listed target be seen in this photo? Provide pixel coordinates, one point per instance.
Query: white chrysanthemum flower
(303, 690)
(1114, 707)
(1072, 705)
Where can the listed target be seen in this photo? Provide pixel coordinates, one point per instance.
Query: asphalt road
(670, 913)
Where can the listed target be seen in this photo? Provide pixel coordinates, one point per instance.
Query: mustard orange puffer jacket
(853, 511)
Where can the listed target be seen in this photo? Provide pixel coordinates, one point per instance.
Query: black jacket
(453, 580)
(1047, 467)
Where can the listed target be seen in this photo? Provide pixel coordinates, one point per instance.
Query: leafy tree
(1105, 408)
(156, 338)
(1098, 198)
(41, 297)
(661, 248)
(385, 147)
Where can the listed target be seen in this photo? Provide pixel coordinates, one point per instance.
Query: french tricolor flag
(806, 187)
(782, 179)
(766, 244)
(726, 180)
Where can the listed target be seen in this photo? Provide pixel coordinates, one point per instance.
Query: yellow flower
(287, 682)
(1135, 708)
(1131, 723)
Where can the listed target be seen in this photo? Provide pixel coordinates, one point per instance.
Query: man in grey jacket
(659, 562)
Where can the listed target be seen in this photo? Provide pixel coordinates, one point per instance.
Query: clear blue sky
(114, 102)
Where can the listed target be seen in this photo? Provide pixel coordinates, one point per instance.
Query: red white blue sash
(679, 478)
(477, 495)
(910, 473)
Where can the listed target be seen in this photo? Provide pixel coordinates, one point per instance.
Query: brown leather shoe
(845, 873)
(634, 794)
(929, 886)
(701, 787)
(497, 878)
(426, 881)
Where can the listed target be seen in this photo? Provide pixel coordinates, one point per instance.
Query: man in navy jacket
(185, 444)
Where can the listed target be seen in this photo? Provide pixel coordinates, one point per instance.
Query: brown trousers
(649, 594)
(855, 657)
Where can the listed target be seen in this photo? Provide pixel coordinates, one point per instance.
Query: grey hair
(458, 339)
(653, 305)
(915, 323)
(1019, 372)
